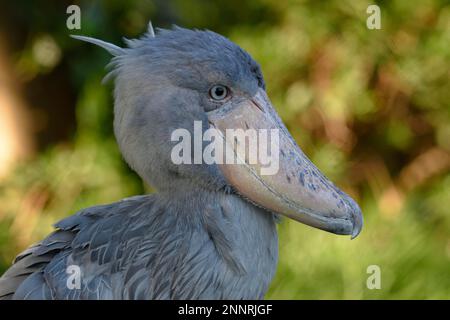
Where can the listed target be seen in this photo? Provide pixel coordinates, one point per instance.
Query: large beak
(297, 189)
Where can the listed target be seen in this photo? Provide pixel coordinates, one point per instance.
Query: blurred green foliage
(370, 107)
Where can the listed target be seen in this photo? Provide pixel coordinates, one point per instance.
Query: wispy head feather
(180, 54)
(111, 48)
(150, 30)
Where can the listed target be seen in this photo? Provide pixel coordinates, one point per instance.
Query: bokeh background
(370, 107)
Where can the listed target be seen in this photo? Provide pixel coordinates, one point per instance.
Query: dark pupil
(219, 91)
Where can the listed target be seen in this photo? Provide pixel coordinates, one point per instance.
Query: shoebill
(209, 232)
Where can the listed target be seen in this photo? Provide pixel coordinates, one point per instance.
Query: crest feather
(111, 48)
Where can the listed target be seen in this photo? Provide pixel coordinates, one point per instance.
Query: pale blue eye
(218, 92)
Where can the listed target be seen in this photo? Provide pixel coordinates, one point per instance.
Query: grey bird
(209, 232)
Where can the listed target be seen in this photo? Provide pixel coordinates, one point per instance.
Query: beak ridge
(297, 189)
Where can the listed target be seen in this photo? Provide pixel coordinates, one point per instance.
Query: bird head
(181, 77)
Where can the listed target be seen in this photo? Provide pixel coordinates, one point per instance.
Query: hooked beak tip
(357, 219)
(356, 230)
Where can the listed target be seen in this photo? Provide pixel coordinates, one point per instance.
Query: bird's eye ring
(219, 92)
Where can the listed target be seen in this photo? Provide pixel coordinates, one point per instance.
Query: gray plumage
(153, 247)
(191, 240)
(205, 234)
